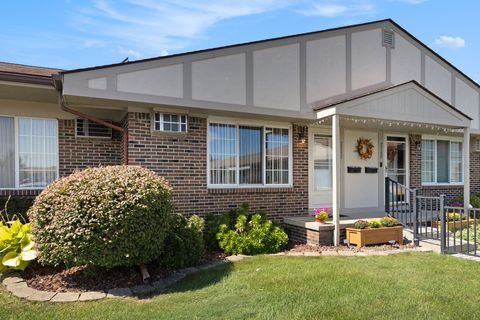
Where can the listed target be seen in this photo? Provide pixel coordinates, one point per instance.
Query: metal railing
(459, 230)
(430, 218)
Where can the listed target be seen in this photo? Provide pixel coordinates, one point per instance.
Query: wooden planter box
(362, 237)
(454, 225)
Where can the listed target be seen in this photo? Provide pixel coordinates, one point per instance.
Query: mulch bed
(376, 248)
(80, 279)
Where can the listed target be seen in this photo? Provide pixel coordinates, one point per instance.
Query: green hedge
(105, 217)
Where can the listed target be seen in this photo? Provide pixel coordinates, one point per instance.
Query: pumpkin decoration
(364, 148)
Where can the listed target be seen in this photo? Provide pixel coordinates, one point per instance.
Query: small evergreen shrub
(105, 217)
(184, 244)
(251, 236)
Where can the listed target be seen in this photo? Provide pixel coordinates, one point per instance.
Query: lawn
(404, 286)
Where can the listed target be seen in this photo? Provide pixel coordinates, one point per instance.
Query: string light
(383, 123)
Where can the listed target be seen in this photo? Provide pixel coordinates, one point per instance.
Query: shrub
(374, 223)
(474, 201)
(213, 223)
(16, 246)
(361, 224)
(104, 217)
(254, 236)
(388, 221)
(184, 244)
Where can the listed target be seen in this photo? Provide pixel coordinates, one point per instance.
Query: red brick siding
(182, 160)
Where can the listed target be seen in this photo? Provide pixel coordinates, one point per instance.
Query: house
(286, 124)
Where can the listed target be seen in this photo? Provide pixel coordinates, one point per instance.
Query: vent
(87, 128)
(388, 38)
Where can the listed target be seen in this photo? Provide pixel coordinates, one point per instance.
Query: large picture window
(442, 161)
(29, 152)
(244, 155)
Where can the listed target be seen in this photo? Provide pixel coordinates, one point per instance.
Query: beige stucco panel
(406, 61)
(368, 58)
(163, 81)
(326, 68)
(276, 77)
(467, 100)
(220, 79)
(438, 79)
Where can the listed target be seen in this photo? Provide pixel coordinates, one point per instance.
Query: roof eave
(26, 78)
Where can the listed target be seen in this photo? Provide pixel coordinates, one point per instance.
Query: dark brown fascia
(26, 78)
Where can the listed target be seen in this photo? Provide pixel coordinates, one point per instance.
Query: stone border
(17, 286)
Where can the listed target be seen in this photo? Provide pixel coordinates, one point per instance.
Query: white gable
(408, 102)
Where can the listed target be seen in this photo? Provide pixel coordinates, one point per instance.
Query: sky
(71, 34)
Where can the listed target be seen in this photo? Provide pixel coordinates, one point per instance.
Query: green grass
(404, 286)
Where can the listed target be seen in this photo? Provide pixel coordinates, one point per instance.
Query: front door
(396, 161)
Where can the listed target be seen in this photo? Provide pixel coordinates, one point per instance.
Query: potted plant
(322, 214)
(375, 231)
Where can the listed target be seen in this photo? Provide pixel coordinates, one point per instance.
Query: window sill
(442, 184)
(168, 133)
(261, 189)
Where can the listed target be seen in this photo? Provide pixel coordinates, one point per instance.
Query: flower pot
(363, 237)
(320, 220)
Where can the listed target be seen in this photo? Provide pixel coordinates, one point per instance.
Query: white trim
(17, 161)
(450, 140)
(407, 160)
(161, 121)
(258, 123)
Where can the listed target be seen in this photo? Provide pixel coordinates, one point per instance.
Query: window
(170, 122)
(29, 153)
(243, 155)
(322, 149)
(86, 128)
(442, 161)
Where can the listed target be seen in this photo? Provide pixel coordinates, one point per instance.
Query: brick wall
(450, 191)
(182, 160)
(82, 152)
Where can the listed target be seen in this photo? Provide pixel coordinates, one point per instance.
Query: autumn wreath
(364, 148)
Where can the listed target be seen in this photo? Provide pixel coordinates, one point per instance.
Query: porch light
(302, 134)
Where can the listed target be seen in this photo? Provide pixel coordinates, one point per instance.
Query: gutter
(58, 83)
(26, 78)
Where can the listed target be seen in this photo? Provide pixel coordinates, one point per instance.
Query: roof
(390, 88)
(281, 38)
(26, 73)
(27, 69)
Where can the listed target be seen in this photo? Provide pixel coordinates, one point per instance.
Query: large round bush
(106, 217)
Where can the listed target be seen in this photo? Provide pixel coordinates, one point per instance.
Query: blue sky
(74, 34)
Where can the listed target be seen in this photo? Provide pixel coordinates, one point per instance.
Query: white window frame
(88, 136)
(450, 140)
(161, 122)
(17, 161)
(254, 123)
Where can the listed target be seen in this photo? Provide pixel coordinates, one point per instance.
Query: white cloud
(148, 27)
(334, 9)
(450, 42)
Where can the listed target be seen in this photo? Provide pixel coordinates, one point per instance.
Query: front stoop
(305, 230)
(16, 285)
